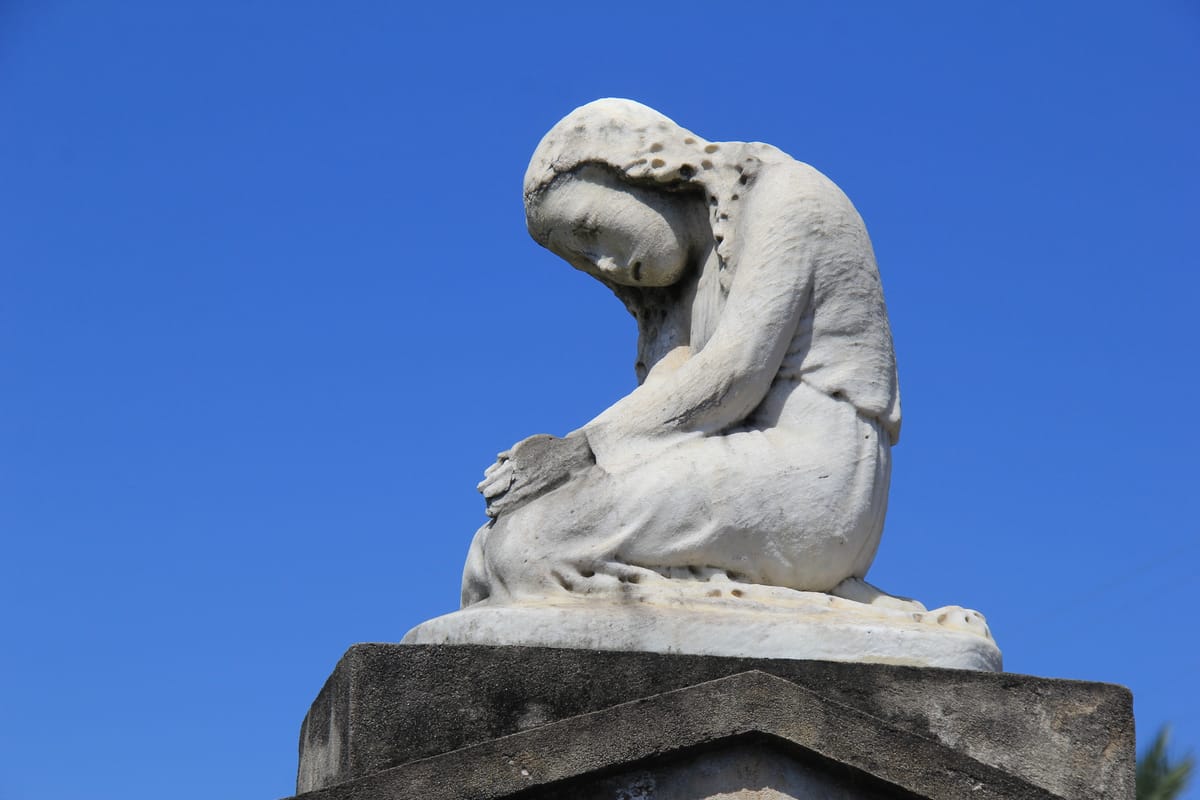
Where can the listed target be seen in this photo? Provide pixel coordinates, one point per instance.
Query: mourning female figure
(753, 460)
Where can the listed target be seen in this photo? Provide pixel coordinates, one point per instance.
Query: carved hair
(648, 148)
(643, 147)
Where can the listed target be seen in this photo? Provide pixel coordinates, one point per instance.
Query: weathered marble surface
(748, 472)
(758, 621)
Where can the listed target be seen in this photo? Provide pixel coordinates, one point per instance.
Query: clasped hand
(531, 468)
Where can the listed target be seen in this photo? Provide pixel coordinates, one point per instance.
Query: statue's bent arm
(720, 385)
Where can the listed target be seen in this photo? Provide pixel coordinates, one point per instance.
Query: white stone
(725, 618)
(756, 449)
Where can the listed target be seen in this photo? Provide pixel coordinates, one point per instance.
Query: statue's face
(627, 234)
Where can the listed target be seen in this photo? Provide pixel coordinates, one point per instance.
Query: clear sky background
(268, 309)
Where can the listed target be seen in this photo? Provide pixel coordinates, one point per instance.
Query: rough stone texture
(446, 721)
(745, 769)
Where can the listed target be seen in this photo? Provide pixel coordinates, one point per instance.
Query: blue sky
(268, 309)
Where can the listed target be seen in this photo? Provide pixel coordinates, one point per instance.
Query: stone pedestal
(465, 721)
(799, 625)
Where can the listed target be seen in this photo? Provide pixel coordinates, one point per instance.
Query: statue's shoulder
(805, 177)
(787, 188)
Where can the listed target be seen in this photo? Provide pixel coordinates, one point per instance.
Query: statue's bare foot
(957, 618)
(953, 617)
(860, 591)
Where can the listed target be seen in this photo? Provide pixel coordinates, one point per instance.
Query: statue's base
(827, 629)
(441, 722)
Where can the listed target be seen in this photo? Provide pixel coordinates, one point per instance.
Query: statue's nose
(609, 265)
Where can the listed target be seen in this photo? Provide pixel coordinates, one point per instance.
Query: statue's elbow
(742, 396)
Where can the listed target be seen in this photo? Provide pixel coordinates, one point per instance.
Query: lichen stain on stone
(640, 787)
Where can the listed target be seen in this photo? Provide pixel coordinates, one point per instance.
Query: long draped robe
(758, 443)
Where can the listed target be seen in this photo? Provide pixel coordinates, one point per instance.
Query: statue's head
(620, 232)
(624, 193)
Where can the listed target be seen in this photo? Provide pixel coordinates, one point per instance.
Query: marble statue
(733, 502)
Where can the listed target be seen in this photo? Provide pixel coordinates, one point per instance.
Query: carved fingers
(531, 468)
(497, 479)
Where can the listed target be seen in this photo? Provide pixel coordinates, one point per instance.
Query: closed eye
(585, 231)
